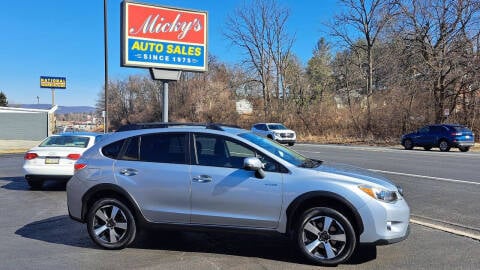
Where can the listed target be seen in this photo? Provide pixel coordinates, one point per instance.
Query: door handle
(202, 178)
(128, 172)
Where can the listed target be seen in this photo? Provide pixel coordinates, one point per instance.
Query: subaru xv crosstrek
(218, 177)
(443, 136)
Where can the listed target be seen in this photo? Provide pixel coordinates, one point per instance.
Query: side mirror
(254, 164)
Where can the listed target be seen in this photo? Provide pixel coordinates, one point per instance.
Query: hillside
(60, 110)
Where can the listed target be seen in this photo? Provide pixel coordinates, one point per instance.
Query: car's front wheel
(291, 143)
(464, 148)
(408, 144)
(111, 224)
(325, 236)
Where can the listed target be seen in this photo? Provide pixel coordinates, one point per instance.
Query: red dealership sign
(161, 37)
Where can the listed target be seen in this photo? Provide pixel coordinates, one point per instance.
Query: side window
(424, 130)
(131, 149)
(164, 148)
(269, 164)
(219, 151)
(264, 127)
(112, 150)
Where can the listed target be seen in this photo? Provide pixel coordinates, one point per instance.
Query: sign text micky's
(161, 37)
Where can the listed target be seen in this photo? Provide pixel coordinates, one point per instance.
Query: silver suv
(275, 131)
(215, 176)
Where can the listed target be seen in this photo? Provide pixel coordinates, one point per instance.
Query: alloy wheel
(110, 224)
(323, 237)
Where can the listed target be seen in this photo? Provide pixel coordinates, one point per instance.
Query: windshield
(281, 151)
(65, 141)
(276, 126)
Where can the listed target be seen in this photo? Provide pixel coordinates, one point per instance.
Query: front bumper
(285, 141)
(385, 223)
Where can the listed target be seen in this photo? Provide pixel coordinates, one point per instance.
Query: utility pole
(105, 38)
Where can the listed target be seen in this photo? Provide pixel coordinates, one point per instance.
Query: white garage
(26, 124)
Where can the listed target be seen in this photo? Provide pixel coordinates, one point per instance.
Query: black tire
(464, 148)
(315, 241)
(427, 148)
(444, 146)
(291, 143)
(408, 144)
(270, 137)
(35, 183)
(102, 226)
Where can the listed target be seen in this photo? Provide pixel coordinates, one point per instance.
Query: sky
(64, 38)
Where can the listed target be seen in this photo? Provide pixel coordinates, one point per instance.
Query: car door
(155, 169)
(423, 137)
(225, 194)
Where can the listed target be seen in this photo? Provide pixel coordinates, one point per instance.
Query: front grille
(286, 135)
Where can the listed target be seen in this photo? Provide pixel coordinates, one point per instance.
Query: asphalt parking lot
(38, 234)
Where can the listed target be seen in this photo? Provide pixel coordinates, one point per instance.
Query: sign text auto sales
(163, 37)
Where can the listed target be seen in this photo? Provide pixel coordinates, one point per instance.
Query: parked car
(443, 136)
(54, 158)
(221, 178)
(275, 131)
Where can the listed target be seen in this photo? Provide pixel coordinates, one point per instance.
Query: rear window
(461, 129)
(112, 150)
(66, 141)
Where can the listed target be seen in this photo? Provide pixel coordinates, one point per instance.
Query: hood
(363, 176)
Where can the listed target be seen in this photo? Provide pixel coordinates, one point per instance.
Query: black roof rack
(136, 126)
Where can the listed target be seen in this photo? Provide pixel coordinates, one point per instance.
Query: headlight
(379, 194)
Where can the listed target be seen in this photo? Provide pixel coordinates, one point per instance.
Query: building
(26, 124)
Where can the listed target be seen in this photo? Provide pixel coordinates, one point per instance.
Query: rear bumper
(464, 144)
(41, 177)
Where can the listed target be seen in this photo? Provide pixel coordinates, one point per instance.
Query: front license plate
(51, 160)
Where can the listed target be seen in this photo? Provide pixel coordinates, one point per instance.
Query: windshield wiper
(311, 163)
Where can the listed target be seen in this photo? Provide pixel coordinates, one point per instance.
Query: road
(441, 187)
(38, 234)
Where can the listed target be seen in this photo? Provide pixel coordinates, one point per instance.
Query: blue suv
(443, 136)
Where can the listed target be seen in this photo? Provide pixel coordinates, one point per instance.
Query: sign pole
(165, 101)
(53, 97)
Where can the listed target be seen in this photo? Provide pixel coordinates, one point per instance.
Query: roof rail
(215, 126)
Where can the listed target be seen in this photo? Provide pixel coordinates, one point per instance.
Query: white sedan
(55, 157)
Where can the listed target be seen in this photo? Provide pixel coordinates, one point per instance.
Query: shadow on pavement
(19, 183)
(57, 230)
(62, 230)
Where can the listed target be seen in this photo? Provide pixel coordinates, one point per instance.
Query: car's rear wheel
(35, 183)
(408, 144)
(464, 148)
(325, 236)
(443, 145)
(111, 224)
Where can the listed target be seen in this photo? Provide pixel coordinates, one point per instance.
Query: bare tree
(440, 32)
(363, 20)
(259, 29)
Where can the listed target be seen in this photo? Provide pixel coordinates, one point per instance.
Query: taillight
(29, 156)
(79, 166)
(73, 156)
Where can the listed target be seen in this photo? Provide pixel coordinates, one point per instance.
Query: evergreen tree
(3, 100)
